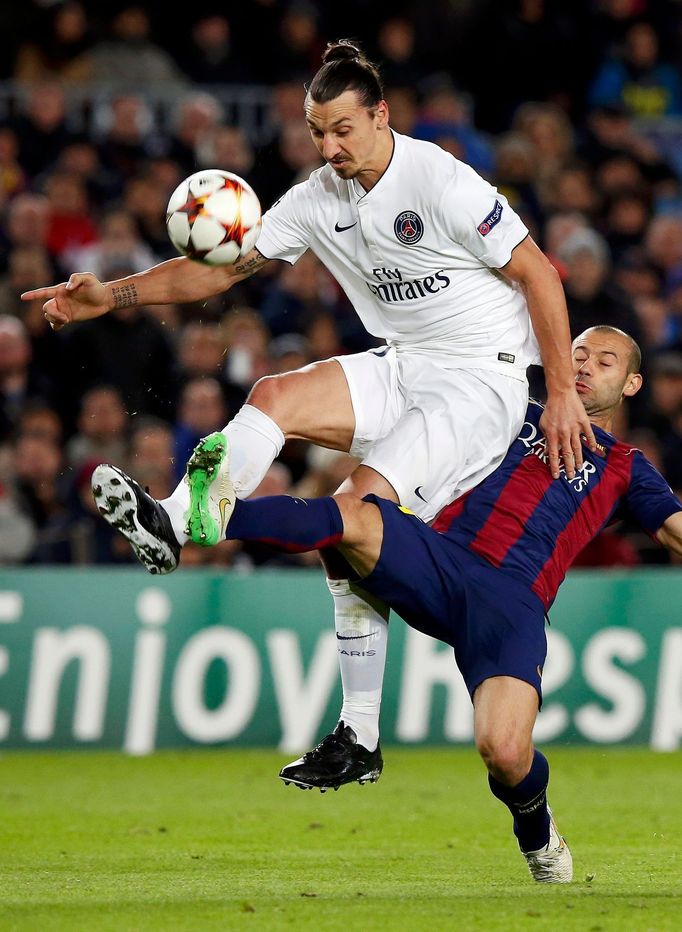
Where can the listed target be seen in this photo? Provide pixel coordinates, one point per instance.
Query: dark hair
(346, 68)
(635, 356)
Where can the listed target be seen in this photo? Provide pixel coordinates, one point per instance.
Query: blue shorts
(494, 622)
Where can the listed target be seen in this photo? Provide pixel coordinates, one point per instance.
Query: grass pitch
(204, 840)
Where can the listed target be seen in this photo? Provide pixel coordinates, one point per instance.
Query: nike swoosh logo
(419, 495)
(341, 229)
(222, 505)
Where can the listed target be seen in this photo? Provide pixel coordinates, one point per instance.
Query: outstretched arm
(670, 534)
(564, 419)
(177, 281)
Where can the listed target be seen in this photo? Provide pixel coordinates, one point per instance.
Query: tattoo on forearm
(251, 263)
(124, 296)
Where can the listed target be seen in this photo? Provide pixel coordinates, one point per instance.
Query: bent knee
(269, 393)
(350, 506)
(508, 759)
(362, 524)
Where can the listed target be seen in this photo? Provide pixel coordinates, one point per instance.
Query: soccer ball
(214, 217)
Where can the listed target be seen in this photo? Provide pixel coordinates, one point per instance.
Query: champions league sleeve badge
(493, 218)
(408, 227)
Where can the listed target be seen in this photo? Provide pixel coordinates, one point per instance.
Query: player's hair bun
(346, 68)
(342, 50)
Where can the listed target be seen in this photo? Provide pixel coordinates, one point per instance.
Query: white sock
(255, 440)
(362, 633)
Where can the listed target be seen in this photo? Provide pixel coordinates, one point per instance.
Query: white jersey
(417, 255)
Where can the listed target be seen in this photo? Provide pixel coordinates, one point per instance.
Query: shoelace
(330, 742)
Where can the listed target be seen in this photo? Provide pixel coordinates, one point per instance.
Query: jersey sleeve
(285, 231)
(476, 215)
(650, 499)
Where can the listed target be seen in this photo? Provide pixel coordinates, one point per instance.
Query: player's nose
(330, 148)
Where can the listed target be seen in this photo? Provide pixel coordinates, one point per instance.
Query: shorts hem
(481, 678)
(357, 445)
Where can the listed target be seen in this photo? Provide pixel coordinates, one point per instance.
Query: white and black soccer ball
(214, 217)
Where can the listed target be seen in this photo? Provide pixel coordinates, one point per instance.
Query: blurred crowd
(573, 109)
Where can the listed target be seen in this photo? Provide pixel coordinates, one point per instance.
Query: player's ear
(381, 112)
(632, 385)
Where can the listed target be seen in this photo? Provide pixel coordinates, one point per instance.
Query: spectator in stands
(289, 351)
(636, 275)
(571, 189)
(102, 429)
(197, 118)
(621, 155)
(13, 178)
(126, 135)
(119, 243)
(20, 381)
(402, 105)
(300, 292)
(666, 413)
(322, 335)
(400, 64)
(228, 148)
(38, 419)
(93, 355)
(300, 47)
(445, 118)
(533, 44)
(201, 355)
(151, 455)
(59, 50)
(81, 159)
(17, 534)
(638, 79)
(663, 245)
(41, 491)
(26, 268)
(212, 56)
(292, 157)
(246, 339)
(129, 57)
(27, 223)
(666, 391)
(201, 410)
(558, 229)
(71, 224)
(201, 350)
(589, 295)
(41, 128)
(146, 199)
(627, 216)
(516, 161)
(549, 131)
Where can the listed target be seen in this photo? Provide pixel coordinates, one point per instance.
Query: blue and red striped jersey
(533, 526)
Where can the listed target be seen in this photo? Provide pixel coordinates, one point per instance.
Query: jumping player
(435, 262)
(482, 578)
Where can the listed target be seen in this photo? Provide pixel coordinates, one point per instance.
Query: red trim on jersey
(289, 546)
(514, 506)
(579, 531)
(447, 515)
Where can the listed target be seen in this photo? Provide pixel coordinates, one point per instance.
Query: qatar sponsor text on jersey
(533, 526)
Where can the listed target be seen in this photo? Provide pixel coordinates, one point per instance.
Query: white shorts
(432, 430)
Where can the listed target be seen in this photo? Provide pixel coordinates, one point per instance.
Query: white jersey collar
(356, 190)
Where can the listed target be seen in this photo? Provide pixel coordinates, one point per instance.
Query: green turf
(212, 840)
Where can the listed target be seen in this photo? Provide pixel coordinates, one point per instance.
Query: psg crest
(408, 227)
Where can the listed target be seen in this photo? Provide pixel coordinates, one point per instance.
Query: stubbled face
(347, 135)
(600, 364)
